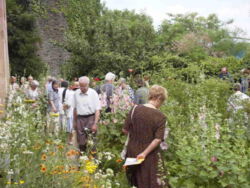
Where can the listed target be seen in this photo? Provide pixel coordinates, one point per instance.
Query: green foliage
(102, 40)
(23, 40)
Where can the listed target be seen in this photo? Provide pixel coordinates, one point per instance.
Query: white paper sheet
(132, 161)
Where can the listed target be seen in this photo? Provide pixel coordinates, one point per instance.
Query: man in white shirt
(86, 111)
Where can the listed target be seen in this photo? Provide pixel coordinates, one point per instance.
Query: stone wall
(52, 29)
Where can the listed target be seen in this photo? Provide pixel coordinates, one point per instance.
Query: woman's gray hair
(35, 83)
(84, 79)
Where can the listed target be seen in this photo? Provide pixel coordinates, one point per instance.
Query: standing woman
(54, 98)
(54, 105)
(146, 125)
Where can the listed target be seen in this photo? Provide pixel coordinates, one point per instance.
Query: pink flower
(214, 159)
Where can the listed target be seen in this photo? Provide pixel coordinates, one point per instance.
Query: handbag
(124, 151)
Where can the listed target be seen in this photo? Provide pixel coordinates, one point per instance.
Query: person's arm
(53, 106)
(97, 117)
(158, 138)
(52, 103)
(154, 144)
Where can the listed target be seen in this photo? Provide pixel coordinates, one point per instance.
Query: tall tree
(102, 40)
(23, 39)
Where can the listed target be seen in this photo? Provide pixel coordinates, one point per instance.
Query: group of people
(241, 89)
(81, 107)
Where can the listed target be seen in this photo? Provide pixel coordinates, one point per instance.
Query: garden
(206, 146)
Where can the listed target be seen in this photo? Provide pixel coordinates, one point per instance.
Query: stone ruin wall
(51, 28)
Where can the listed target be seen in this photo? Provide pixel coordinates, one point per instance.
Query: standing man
(86, 111)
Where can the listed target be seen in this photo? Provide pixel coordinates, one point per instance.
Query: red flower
(97, 79)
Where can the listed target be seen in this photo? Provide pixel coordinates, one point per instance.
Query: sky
(238, 10)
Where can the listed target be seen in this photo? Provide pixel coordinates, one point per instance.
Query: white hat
(110, 76)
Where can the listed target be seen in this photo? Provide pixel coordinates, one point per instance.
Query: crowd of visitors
(79, 107)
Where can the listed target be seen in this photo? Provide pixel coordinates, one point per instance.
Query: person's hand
(141, 156)
(125, 131)
(54, 110)
(94, 128)
(65, 107)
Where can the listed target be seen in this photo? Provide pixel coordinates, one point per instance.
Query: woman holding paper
(145, 125)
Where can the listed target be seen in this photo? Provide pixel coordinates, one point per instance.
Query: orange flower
(72, 153)
(49, 142)
(43, 168)
(119, 160)
(53, 172)
(60, 146)
(44, 157)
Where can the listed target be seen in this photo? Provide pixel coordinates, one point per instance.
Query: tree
(23, 39)
(101, 40)
(197, 37)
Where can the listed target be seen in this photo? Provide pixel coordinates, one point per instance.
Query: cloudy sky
(238, 10)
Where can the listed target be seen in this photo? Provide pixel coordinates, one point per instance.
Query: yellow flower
(1, 111)
(44, 157)
(8, 183)
(21, 182)
(90, 167)
(85, 179)
(86, 186)
(36, 146)
(43, 168)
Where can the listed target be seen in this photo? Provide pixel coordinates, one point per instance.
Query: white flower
(10, 172)
(84, 158)
(27, 152)
(110, 172)
(108, 184)
(117, 184)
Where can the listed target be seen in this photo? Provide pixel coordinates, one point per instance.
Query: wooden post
(4, 57)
